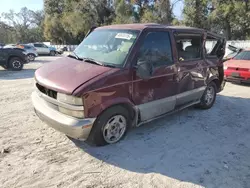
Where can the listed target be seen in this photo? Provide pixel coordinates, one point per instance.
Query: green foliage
(196, 13)
(24, 26)
(68, 21)
(123, 12)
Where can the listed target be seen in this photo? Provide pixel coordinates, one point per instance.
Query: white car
(43, 49)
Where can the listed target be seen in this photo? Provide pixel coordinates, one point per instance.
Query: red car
(237, 69)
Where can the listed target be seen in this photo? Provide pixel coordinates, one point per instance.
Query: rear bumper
(237, 80)
(73, 127)
(242, 77)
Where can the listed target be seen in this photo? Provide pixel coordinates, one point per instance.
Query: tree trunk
(228, 32)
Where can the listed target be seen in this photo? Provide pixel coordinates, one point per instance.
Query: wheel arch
(123, 104)
(216, 80)
(100, 109)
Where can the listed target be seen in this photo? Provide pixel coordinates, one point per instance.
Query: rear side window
(189, 46)
(27, 47)
(38, 45)
(244, 55)
(156, 49)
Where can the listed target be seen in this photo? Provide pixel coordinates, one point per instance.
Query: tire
(31, 57)
(209, 96)
(15, 64)
(105, 124)
(52, 53)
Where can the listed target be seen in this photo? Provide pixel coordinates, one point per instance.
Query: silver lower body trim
(73, 127)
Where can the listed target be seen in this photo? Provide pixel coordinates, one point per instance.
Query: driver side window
(156, 49)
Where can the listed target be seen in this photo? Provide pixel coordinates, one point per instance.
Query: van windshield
(107, 46)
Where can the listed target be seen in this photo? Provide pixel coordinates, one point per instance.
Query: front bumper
(73, 127)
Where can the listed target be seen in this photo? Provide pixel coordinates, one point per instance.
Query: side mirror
(144, 69)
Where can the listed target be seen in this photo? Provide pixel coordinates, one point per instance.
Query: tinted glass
(107, 46)
(38, 45)
(27, 47)
(245, 55)
(156, 49)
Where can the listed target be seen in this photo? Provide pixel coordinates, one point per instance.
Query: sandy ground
(190, 149)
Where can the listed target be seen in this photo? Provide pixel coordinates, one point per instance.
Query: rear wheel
(208, 97)
(110, 127)
(31, 57)
(15, 64)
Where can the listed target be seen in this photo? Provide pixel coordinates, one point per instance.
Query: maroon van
(122, 76)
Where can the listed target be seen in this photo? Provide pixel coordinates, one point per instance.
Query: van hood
(66, 74)
(234, 63)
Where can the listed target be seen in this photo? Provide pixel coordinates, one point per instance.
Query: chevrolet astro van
(122, 76)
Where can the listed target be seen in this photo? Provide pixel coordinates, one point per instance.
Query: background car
(10, 46)
(237, 69)
(61, 50)
(13, 58)
(2, 45)
(234, 51)
(31, 51)
(43, 49)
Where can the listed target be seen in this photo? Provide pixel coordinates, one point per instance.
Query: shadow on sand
(197, 146)
(15, 75)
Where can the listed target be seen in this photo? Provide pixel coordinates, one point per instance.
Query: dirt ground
(193, 148)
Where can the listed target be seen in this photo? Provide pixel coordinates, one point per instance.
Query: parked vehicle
(31, 51)
(10, 46)
(2, 45)
(237, 69)
(61, 50)
(43, 49)
(234, 52)
(122, 76)
(13, 58)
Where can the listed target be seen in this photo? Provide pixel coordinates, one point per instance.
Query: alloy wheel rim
(209, 97)
(31, 57)
(16, 64)
(114, 129)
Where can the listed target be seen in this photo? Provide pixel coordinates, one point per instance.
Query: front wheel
(16, 64)
(52, 53)
(110, 127)
(209, 96)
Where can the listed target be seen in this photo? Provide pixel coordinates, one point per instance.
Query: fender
(94, 103)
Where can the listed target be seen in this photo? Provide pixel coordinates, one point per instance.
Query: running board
(169, 113)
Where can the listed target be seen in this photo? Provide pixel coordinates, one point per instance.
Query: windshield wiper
(90, 60)
(75, 56)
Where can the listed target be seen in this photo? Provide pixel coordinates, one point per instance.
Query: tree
(231, 17)
(24, 25)
(196, 13)
(123, 12)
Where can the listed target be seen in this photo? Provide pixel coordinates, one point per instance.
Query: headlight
(69, 99)
(74, 113)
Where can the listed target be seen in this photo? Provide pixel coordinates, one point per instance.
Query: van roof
(142, 26)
